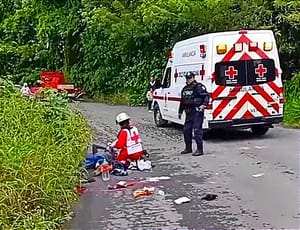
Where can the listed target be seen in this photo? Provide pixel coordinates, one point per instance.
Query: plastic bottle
(105, 167)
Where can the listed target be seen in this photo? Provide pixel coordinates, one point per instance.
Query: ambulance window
(245, 72)
(231, 73)
(167, 78)
(260, 71)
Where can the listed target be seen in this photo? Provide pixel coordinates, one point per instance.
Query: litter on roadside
(258, 175)
(209, 197)
(140, 165)
(161, 192)
(119, 185)
(143, 192)
(259, 147)
(156, 179)
(182, 200)
(288, 172)
(244, 148)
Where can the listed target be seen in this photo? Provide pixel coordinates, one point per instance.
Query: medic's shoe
(186, 151)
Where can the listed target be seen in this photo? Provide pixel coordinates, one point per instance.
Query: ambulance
(241, 72)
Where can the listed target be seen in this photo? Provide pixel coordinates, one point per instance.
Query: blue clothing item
(91, 160)
(194, 122)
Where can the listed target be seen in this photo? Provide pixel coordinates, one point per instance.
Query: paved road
(244, 201)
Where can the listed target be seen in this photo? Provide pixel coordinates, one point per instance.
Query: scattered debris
(140, 165)
(209, 197)
(161, 192)
(288, 172)
(258, 175)
(259, 147)
(120, 184)
(244, 148)
(182, 200)
(89, 180)
(143, 192)
(156, 179)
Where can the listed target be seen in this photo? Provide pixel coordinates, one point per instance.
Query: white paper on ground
(156, 179)
(122, 183)
(182, 200)
(259, 147)
(258, 175)
(144, 165)
(244, 148)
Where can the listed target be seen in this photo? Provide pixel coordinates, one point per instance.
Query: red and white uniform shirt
(130, 144)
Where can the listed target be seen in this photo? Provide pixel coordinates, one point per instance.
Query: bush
(292, 105)
(42, 145)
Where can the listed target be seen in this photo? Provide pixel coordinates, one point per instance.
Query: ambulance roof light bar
(170, 54)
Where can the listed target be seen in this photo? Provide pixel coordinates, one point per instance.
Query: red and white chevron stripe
(246, 101)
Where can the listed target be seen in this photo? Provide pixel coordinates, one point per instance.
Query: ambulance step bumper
(245, 123)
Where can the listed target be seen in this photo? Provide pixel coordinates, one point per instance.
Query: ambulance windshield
(245, 72)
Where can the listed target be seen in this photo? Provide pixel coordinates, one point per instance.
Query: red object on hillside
(56, 80)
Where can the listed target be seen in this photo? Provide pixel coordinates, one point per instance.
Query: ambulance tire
(159, 121)
(259, 130)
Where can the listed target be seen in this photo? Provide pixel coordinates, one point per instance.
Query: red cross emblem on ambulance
(231, 72)
(260, 70)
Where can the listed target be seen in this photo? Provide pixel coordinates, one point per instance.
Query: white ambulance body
(241, 72)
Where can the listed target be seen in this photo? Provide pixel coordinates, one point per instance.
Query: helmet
(189, 75)
(122, 117)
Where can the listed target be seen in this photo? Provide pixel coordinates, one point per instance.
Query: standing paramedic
(128, 141)
(194, 99)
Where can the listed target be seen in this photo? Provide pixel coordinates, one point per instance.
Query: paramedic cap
(189, 75)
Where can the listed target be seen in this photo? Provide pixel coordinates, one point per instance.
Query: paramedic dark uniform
(192, 97)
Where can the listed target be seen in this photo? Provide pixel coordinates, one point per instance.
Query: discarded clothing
(140, 165)
(91, 161)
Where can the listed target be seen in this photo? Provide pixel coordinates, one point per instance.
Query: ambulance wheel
(159, 121)
(259, 130)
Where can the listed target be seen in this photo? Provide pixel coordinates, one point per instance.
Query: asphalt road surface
(256, 180)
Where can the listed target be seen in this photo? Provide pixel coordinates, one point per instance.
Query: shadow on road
(225, 134)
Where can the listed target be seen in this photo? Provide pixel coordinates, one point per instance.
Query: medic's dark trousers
(193, 121)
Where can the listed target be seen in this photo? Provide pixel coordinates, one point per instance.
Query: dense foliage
(111, 47)
(41, 148)
(292, 105)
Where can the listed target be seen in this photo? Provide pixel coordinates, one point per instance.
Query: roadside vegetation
(42, 145)
(292, 105)
(110, 48)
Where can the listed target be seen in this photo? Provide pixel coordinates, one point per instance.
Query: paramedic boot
(186, 151)
(198, 153)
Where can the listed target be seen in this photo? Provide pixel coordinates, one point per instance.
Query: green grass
(42, 145)
(292, 105)
(117, 99)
